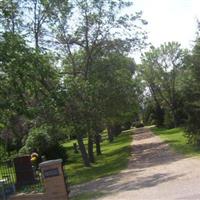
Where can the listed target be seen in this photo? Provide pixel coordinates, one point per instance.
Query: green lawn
(177, 140)
(115, 158)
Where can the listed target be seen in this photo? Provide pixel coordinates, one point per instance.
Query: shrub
(39, 139)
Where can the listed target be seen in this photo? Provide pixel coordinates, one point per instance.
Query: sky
(170, 20)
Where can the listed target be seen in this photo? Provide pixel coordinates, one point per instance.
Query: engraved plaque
(51, 173)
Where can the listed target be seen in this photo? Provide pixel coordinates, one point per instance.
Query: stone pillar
(54, 182)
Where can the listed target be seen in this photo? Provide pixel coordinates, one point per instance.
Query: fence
(35, 187)
(8, 181)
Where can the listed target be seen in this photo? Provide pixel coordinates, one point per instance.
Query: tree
(10, 16)
(75, 96)
(89, 40)
(41, 18)
(27, 91)
(160, 69)
(191, 94)
(73, 106)
(99, 28)
(117, 90)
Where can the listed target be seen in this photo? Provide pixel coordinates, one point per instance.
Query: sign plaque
(51, 173)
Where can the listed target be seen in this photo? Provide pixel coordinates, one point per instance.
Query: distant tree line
(171, 78)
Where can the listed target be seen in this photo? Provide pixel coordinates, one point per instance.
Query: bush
(39, 139)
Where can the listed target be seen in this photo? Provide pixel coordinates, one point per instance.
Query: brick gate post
(54, 181)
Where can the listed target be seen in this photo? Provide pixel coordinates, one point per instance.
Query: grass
(177, 140)
(114, 158)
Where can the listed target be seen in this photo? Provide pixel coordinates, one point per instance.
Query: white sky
(170, 20)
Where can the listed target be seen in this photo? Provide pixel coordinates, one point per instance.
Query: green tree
(117, 90)
(160, 69)
(10, 16)
(89, 40)
(76, 96)
(191, 93)
(27, 91)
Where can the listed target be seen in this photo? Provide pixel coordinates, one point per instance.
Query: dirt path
(155, 172)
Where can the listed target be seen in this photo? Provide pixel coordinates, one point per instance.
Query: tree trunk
(110, 134)
(83, 151)
(90, 148)
(98, 144)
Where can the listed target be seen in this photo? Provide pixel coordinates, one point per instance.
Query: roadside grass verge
(178, 141)
(114, 158)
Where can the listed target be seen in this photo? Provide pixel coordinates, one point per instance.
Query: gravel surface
(155, 172)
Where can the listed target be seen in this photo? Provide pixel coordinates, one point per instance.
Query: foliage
(27, 79)
(42, 141)
(60, 78)
(117, 89)
(10, 16)
(160, 69)
(172, 76)
(191, 91)
(38, 139)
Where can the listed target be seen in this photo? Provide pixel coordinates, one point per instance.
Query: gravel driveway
(155, 172)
